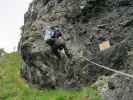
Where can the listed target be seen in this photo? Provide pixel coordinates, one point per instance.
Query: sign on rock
(104, 45)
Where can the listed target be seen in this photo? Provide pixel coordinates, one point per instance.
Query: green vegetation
(12, 87)
(2, 52)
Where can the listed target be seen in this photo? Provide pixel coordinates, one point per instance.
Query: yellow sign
(104, 45)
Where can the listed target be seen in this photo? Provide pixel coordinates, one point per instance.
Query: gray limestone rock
(79, 20)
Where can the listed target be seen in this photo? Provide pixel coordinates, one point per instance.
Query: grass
(12, 87)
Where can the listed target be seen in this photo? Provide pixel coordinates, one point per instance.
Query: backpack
(52, 33)
(48, 34)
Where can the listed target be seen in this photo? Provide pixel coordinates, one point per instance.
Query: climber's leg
(60, 44)
(67, 52)
(56, 52)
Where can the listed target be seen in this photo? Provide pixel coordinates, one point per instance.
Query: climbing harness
(109, 69)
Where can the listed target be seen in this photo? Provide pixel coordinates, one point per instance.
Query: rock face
(79, 20)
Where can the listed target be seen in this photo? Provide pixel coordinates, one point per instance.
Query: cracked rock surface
(79, 20)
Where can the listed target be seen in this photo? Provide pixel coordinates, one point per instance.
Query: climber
(54, 38)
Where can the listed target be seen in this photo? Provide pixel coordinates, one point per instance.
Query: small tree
(2, 52)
